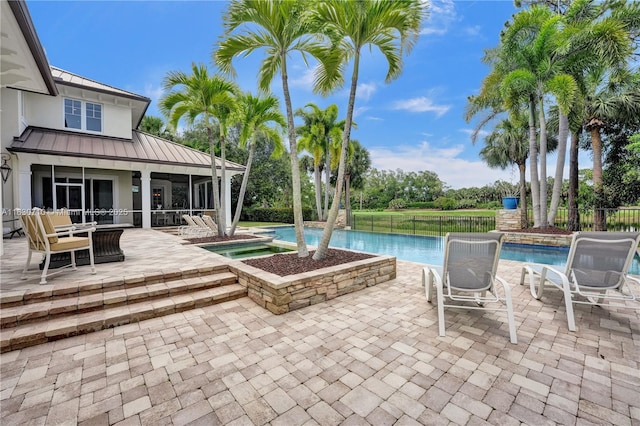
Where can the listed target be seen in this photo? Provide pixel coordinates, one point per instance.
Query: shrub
(467, 204)
(284, 215)
(445, 203)
(397, 204)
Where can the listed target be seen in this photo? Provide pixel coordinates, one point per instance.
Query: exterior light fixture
(5, 169)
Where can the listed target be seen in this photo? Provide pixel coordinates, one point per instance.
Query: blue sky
(414, 123)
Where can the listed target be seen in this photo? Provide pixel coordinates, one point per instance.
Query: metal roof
(61, 76)
(143, 147)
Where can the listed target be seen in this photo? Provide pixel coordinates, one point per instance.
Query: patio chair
(61, 220)
(596, 269)
(204, 228)
(43, 238)
(208, 220)
(467, 275)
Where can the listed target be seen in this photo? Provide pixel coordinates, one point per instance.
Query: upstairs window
(72, 114)
(82, 115)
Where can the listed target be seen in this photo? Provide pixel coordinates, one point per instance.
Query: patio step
(34, 320)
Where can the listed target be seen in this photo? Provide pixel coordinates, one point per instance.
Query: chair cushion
(49, 228)
(60, 218)
(70, 243)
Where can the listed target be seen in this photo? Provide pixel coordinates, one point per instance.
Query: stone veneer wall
(508, 220)
(283, 294)
(537, 239)
(341, 221)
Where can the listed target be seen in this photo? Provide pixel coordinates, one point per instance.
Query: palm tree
(358, 163)
(391, 26)
(530, 53)
(256, 113)
(507, 145)
(280, 27)
(199, 96)
(319, 134)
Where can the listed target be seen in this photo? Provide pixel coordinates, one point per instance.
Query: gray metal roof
(143, 147)
(65, 77)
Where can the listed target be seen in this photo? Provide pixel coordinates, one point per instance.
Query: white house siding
(48, 111)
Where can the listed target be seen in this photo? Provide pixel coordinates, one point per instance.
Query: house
(71, 142)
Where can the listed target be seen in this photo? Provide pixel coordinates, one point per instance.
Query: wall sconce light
(5, 169)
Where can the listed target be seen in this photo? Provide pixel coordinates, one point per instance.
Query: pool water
(245, 251)
(422, 249)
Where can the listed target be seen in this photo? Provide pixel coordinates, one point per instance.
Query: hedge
(273, 215)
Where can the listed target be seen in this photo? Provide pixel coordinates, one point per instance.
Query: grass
(425, 222)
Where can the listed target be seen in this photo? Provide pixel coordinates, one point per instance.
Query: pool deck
(370, 357)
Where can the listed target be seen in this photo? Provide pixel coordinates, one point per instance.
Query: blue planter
(510, 203)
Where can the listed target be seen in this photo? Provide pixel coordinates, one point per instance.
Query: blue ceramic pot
(510, 203)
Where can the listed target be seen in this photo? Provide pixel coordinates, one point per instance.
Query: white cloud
(481, 133)
(442, 13)
(421, 104)
(303, 79)
(445, 162)
(472, 31)
(359, 110)
(366, 90)
(153, 92)
(372, 118)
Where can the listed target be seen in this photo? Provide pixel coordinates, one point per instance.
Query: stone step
(81, 323)
(50, 292)
(43, 308)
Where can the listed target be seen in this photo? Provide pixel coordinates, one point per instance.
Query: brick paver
(371, 357)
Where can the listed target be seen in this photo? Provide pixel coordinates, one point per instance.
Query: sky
(414, 123)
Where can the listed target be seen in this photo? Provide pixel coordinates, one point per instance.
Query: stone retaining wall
(341, 221)
(537, 239)
(283, 294)
(509, 220)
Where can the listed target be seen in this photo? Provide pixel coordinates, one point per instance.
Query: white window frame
(83, 115)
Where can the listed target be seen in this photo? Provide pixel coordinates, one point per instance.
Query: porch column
(23, 186)
(145, 183)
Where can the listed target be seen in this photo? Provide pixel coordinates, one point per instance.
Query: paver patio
(370, 357)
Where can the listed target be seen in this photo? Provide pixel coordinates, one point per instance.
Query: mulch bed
(217, 239)
(551, 230)
(290, 264)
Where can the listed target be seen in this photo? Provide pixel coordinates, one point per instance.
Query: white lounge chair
(468, 273)
(597, 269)
(191, 229)
(208, 220)
(42, 237)
(204, 228)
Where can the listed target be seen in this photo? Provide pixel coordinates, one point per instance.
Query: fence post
(440, 226)
(391, 222)
(371, 223)
(414, 225)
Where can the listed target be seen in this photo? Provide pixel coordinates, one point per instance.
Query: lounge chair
(193, 229)
(43, 238)
(596, 269)
(204, 228)
(208, 220)
(468, 273)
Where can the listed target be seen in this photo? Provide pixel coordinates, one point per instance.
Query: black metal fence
(622, 219)
(422, 225)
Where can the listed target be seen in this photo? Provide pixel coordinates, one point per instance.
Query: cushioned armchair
(43, 237)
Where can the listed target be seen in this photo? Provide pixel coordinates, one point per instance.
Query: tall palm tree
(320, 132)
(507, 145)
(279, 27)
(199, 96)
(358, 164)
(256, 114)
(530, 49)
(391, 26)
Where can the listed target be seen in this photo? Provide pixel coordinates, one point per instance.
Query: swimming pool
(422, 249)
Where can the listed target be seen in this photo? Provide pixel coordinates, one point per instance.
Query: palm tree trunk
(318, 183)
(563, 133)
(573, 223)
(243, 187)
(596, 145)
(222, 213)
(298, 220)
(533, 163)
(524, 220)
(323, 245)
(347, 196)
(543, 165)
(214, 175)
(327, 183)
